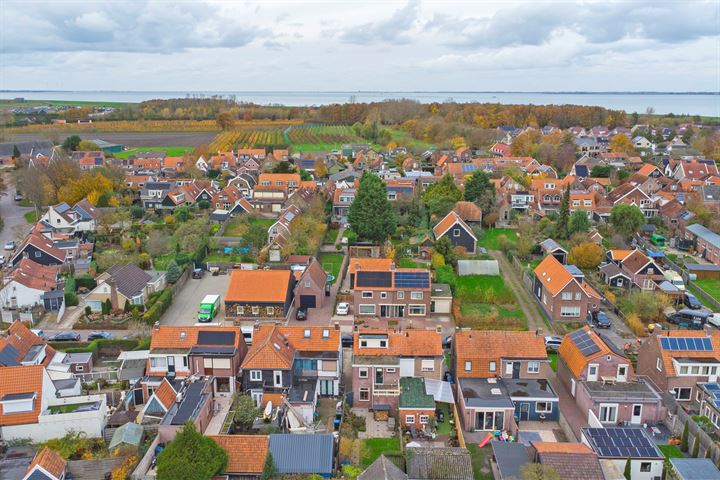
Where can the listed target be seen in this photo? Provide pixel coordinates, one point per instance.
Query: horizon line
(545, 92)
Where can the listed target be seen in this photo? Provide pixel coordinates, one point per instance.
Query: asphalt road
(15, 227)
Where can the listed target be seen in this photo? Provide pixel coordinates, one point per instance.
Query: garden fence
(676, 420)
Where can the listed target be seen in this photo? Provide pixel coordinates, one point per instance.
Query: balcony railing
(385, 389)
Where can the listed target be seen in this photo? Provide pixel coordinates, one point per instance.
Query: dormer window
(17, 403)
(306, 333)
(326, 333)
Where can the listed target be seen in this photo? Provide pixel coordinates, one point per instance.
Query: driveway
(184, 308)
(14, 225)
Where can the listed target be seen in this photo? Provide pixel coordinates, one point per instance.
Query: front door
(171, 365)
(516, 370)
(524, 411)
(636, 418)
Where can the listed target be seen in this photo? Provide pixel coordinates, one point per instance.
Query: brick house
(415, 406)
(310, 287)
(705, 242)
(382, 357)
(178, 352)
(259, 295)
(562, 291)
(601, 379)
(501, 375)
(642, 271)
(460, 234)
(676, 360)
(630, 194)
(297, 364)
(380, 289)
(273, 189)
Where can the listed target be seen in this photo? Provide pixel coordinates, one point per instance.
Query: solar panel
(412, 280)
(689, 344)
(373, 279)
(206, 337)
(621, 442)
(717, 403)
(673, 343)
(707, 344)
(682, 344)
(712, 386)
(584, 342)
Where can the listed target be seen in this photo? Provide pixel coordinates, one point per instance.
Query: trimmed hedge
(157, 304)
(105, 347)
(71, 298)
(86, 281)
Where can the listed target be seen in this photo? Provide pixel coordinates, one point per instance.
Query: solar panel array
(373, 279)
(622, 443)
(694, 344)
(584, 343)
(412, 280)
(714, 390)
(469, 168)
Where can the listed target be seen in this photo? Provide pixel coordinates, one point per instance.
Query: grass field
(490, 237)
(331, 262)
(31, 217)
(553, 356)
(407, 263)
(238, 226)
(711, 286)
(331, 235)
(481, 471)
(169, 151)
(444, 428)
(671, 451)
(406, 140)
(372, 448)
(700, 298)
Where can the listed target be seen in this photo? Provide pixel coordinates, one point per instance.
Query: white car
(343, 308)
(2, 259)
(553, 342)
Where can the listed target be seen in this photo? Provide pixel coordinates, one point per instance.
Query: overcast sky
(366, 45)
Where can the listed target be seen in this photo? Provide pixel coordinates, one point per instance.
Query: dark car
(65, 337)
(447, 341)
(691, 301)
(599, 319)
(347, 340)
(99, 336)
(198, 273)
(301, 313)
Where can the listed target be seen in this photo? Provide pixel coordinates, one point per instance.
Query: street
(14, 225)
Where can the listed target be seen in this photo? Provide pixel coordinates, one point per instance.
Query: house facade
(460, 234)
(562, 292)
(259, 295)
(382, 290)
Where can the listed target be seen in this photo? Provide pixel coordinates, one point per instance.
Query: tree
(269, 470)
(628, 469)
(16, 152)
(441, 197)
(600, 171)
(562, 228)
(444, 247)
(371, 215)
(246, 411)
(173, 272)
(620, 143)
(579, 222)
(71, 143)
(627, 219)
(537, 471)
(225, 120)
(283, 167)
(87, 145)
(684, 438)
(490, 219)
(480, 190)
(305, 175)
(696, 445)
(586, 255)
(255, 237)
(204, 204)
(106, 306)
(182, 214)
(191, 456)
(321, 170)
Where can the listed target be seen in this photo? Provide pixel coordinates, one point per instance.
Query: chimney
(337, 325)
(392, 266)
(256, 325)
(113, 293)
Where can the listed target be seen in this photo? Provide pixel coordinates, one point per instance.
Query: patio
(375, 428)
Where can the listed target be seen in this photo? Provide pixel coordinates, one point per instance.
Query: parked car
(553, 342)
(599, 319)
(10, 245)
(691, 301)
(301, 313)
(347, 340)
(2, 259)
(18, 197)
(65, 337)
(99, 335)
(695, 319)
(38, 331)
(447, 341)
(343, 308)
(198, 273)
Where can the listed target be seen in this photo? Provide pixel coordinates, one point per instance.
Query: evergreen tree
(627, 219)
(269, 470)
(173, 272)
(16, 152)
(696, 446)
(579, 222)
(191, 456)
(628, 471)
(480, 190)
(441, 197)
(371, 215)
(684, 438)
(562, 227)
(71, 143)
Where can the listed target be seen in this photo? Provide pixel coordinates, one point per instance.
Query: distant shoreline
(268, 92)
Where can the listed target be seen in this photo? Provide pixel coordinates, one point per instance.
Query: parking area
(185, 305)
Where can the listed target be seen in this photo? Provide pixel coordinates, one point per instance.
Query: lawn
(553, 356)
(671, 451)
(331, 263)
(407, 263)
(169, 151)
(483, 288)
(711, 286)
(372, 448)
(483, 309)
(238, 226)
(477, 455)
(31, 217)
(444, 428)
(69, 408)
(331, 235)
(490, 237)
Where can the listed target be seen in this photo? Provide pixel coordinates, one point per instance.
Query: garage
(307, 301)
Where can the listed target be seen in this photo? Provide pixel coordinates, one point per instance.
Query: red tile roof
(50, 461)
(24, 379)
(409, 343)
(482, 347)
(246, 453)
(255, 286)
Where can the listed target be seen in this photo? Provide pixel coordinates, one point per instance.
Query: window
(683, 370)
(363, 343)
(364, 394)
(468, 366)
(383, 343)
(620, 282)
(427, 365)
(326, 333)
(158, 362)
(383, 295)
(424, 419)
(567, 296)
(270, 310)
(645, 466)
(400, 295)
(379, 376)
(255, 375)
(695, 370)
(570, 311)
(533, 367)
(409, 418)
(658, 365)
(416, 295)
(185, 362)
(578, 296)
(367, 295)
(493, 366)
(306, 333)
(456, 232)
(622, 371)
(683, 393)
(366, 309)
(363, 373)
(37, 254)
(390, 370)
(256, 310)
(79, 368)
(647, 284)
(416, 309)
(608, 412)
(543, 407)
(307, 283)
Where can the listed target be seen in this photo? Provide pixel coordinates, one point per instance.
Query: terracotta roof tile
(369, 264)
(481, 347)
(22, 339)
(573, 357)
(668, 355)
(258, 286)
(170, 336)
(22, 379)
(270, 350)
(166, 394)
(468, 211)
(50, 461)
(553, 274)
(246, 453)
(409, 343)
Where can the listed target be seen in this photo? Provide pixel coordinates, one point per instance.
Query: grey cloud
(392, 30)
(139, 26)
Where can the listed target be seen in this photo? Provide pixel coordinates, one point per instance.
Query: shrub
(351, 471)
(137, 212)
(437, 260)
(86, 281)
(203, 204)
(636, 325)
(71, 300)
(106, 306)
(684, 438)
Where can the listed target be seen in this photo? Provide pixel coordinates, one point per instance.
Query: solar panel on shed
(208, 337)
(412, 280)
(622, 442)
(374, 279)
